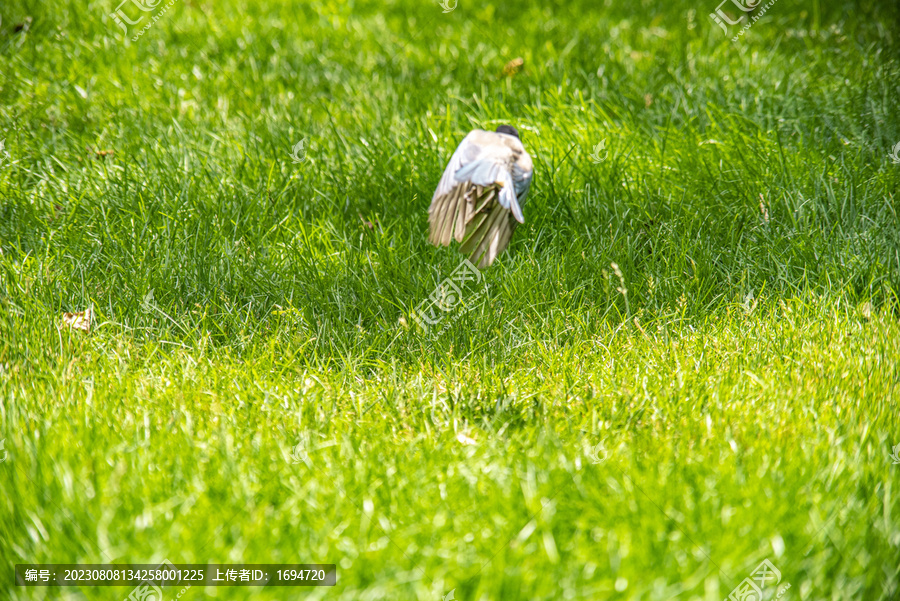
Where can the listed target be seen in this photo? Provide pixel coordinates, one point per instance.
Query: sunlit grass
(713, 307)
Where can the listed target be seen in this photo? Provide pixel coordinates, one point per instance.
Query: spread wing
(489, 173)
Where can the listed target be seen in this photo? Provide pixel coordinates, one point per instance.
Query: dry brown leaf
(366, 223)
(79, 321)
(513, 66)
(763, 208)
(465, 440)
(101, 153)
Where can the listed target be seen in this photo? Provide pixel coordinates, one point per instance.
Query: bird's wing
(500, 160)
(450, 211)
(465, 153)
(522, 170)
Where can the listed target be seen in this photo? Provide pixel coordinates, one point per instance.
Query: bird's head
(508, 130)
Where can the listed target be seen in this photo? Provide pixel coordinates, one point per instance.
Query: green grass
(715, 304)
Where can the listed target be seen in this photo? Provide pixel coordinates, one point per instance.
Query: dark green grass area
(711, 310)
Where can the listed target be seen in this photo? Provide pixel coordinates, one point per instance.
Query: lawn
(686, 363)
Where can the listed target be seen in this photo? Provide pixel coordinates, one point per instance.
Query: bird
(478, 201)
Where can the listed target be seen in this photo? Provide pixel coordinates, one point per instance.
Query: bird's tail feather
(450, 214)
(443, 215)
(487, 235)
